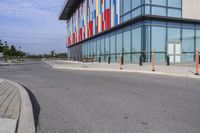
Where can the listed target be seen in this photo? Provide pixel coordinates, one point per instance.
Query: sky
(33, 25)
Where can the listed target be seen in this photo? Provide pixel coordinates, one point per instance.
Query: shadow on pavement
(36, 107)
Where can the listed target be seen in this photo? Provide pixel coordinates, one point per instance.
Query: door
(174, 52)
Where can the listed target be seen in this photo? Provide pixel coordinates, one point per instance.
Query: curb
(26, 119)
(129, 71)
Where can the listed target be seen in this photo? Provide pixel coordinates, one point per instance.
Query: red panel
(73, 38)
(102, 23)
(83, 32)
(90, 28)
(107, 18)
(80, 34)
(69, 41)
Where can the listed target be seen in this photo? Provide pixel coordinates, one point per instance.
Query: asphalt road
(106, 102)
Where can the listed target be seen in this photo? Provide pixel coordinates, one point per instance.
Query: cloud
(33, 21)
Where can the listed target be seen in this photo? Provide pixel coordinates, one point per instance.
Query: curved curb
(26, 119)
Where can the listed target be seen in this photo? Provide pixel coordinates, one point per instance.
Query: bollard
(197, 62)
(153, 61)
(109, 60)
(121, 61)
(99, 59)
(122, 58)
(168, 60)
(140, 60)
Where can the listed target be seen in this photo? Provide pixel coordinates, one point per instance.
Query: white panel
(178, 49)
(191, 9)
(178, 59)
(171, 59)
(170, 48)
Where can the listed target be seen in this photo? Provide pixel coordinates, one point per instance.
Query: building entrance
(174, 52)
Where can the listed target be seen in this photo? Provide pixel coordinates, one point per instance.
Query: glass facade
(171, 8)
(134, 8)
(139, 38)
(130, 9)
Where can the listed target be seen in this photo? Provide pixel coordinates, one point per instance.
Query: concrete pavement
(67, 101)
(9, 107)
(177, 70)
(15, 109)
(7, 125)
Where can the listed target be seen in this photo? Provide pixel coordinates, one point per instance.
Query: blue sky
(33, 25)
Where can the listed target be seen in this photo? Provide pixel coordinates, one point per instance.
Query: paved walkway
(9, 107)
(180, 70)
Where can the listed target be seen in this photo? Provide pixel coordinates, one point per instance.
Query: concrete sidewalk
(16, 113)
(9, 107)
(10, 62)
(178, 70)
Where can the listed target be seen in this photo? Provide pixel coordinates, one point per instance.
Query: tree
(6, 53)
(53, 53)
(13, 50)
(1, 46)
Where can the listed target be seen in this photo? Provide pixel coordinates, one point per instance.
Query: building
(105, 28)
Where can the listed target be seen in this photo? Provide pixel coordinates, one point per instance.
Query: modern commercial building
(104, 28)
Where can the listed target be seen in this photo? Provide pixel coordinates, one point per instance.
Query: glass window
(112, 58)
(87, 53)
(136, 3)
(127, 58)
(147, 40)
(98, 47)
(147, 2)
(136, 40)
(158, 38)
(174, 3)
(89, 49)
(119, 42)
(126, 6)
(198, 39)
(161, 11)
(112, 42)
(159, 2)
(126, 17)
(127, 41)
(174, 35)
(136, 12)
(92, 44)
(188, 45)
(188, 40)
(102, 46)
(174, 12)
(107, 45)
(84, 51)
(94, 48)
(147, 10)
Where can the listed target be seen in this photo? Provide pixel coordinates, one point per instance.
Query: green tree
(6, 53)
(1, 46)
(13, 50)
(53, 54)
